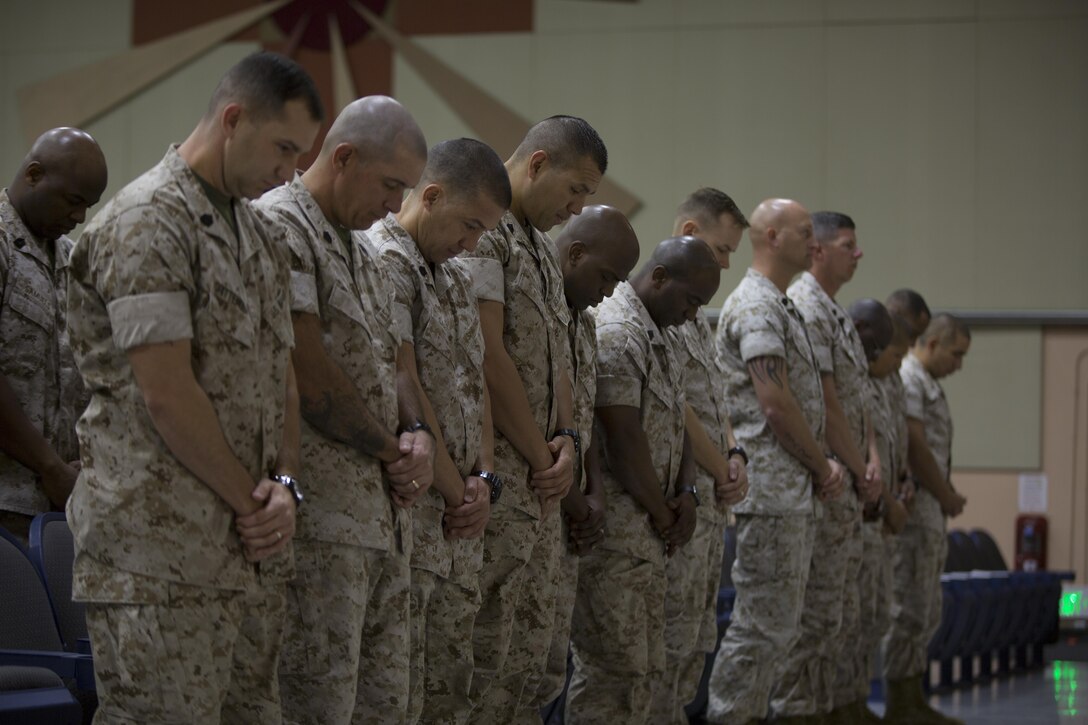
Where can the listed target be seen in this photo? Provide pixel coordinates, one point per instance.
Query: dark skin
(681, 276)
(597, 250)
(62, 176)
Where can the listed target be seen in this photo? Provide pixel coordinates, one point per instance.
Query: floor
(1054, 694)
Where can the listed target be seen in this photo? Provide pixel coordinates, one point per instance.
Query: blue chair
(51, 551)
(36, 696)
(28, 631)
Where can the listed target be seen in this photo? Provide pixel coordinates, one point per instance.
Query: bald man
(618, 629)
(597, 250)
(772, 380)
(41, 395)
(184, 512)
(525, 319)
(721, 479)
(830, 622)
(923, 546)
(463, 193)
(367, 452)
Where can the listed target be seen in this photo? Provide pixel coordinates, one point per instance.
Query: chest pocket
(529, 281)
(348, 305)
(230, 313)
(24, 300)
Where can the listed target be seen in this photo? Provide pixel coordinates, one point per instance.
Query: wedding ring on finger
(415, 484)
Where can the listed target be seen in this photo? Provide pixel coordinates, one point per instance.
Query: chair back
(27, 622)
(52, 551)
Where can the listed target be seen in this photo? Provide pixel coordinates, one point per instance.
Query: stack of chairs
(46, 670)
(994, 622)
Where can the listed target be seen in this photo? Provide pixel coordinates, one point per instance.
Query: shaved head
(62, 175)
(782, 240)
(681, 276)
(597, 250)
(375, 126)
(372, 155)
(944, 328)
(682, 257)
(874, 325)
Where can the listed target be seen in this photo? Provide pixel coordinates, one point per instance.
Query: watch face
(496, 488)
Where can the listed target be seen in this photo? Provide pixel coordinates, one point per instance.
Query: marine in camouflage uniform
(519, 576)
(830, 624)
(524, 318)
(759, 330)
(345, 654)
(183, 627)
(596, 251)
(463, 191)
(923, 546)
(916, 606)
(618, 628)
(36, 363)
(694, 572)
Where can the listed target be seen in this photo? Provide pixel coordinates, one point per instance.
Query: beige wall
(993, 496)
(954, 131)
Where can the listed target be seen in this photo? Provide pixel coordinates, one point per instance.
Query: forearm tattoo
(768, 369)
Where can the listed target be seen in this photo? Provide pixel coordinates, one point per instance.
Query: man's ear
(35, 172)
(537, 162)
(659, 275)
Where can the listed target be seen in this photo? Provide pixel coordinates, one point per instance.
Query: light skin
(61, 177)
(241, 156)
(547, 194)
(543, 195)
(782, 247)
(443, 224)
(730, 476)
(940, 358)
(834, 262)
(354, 189)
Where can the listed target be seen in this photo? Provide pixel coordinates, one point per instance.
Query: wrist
(737, 451)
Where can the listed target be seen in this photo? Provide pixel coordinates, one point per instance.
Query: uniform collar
(410, 248)
(932, 387)
(627, 294)
(323, 228)
(22, 239)
(853, 345)
(203, 212)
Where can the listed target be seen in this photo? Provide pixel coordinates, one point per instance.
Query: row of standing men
(491, 469)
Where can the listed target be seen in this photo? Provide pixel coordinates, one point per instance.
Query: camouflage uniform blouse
(34, 353)
(582, 332)
(925, 402)
(637, 367)
(521, 271)
(839, 353)
(346, 497)
(759, 320)
(705, 393)
(435, 311)
(159, 264)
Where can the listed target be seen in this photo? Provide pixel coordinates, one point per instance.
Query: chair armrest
(68, 665)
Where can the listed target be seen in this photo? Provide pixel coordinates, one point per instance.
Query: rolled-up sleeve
(150, 318)
(621, 367)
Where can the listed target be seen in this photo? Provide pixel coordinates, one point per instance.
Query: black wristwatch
(573, 435)
(493, 481)
(291, 484)
(413, 427)
(737, 451)
(694, 493)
